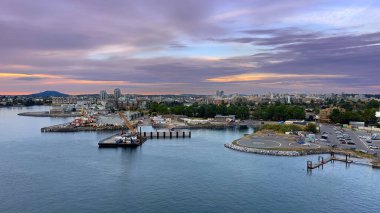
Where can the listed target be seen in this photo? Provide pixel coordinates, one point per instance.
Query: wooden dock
(322, 161)
(166, 134)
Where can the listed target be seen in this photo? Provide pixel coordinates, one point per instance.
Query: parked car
(351, 143)
(343, 142)
(373, 147)
(368, 141)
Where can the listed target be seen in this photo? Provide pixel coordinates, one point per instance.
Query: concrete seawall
(47, 114)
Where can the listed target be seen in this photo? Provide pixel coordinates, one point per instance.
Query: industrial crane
(128, 124)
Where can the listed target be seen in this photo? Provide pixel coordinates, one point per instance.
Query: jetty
(70, 128)
(332, 158)
(166, 134)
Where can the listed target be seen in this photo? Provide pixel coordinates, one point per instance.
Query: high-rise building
(288, 100)
(219, 93)
(103, 95)
(117, 93)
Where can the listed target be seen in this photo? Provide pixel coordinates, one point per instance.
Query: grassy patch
(282, 128)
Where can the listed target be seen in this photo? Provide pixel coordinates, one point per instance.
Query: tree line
(279, 112)
(355, 111)
(201, 110)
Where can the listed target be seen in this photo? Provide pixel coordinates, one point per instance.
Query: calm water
(61, 172)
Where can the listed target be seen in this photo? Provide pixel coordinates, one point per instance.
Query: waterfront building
(225, 118)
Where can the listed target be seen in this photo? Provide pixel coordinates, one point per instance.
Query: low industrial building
(357, 125)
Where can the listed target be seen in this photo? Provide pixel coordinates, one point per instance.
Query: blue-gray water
(62, 172)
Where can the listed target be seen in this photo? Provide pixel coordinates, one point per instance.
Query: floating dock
(322, 161)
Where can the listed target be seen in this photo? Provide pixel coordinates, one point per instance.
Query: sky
(190, 46)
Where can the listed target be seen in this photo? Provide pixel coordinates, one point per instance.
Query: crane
(127, 123)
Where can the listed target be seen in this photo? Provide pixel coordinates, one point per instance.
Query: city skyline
(193, 47)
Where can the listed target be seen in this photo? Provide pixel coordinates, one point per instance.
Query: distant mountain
(49, 94)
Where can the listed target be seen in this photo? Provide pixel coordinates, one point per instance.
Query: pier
(166, 134)
(332, 158)
(112, 141)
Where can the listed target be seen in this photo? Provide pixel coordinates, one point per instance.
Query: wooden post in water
(177, 134)
(158, 134)
(170, 135)
(183, 134)
(190, 134)
(151, 135)
(309, 164)
(164, 134)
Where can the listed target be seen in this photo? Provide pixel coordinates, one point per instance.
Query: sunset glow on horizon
(190, 46)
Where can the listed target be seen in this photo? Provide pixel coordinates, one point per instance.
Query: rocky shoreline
(360, 161)
(283, 152)
(262, 151)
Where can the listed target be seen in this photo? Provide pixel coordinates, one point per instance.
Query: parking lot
(357, 139)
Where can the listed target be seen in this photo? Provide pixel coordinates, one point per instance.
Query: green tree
(311, 127)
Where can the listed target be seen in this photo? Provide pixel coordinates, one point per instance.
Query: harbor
(153, 167)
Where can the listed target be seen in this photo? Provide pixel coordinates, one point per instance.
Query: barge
(121, 141)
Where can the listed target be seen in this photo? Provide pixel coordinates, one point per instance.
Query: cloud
(167, 46)
(269, 76)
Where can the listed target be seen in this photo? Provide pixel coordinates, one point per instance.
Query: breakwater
(262, 151)
(359, 160)
(60, 128)
(47, 114)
